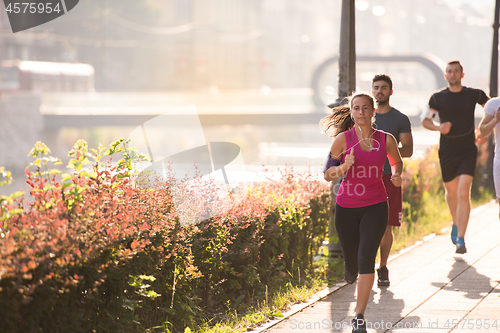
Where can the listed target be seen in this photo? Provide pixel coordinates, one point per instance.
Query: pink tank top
(362, 184)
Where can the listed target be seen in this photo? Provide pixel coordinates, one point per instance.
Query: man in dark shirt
(390, 120)
(457, 149)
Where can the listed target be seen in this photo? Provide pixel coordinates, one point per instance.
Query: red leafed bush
(67, 224)
(76, 256)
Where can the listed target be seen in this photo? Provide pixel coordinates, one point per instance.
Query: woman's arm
(336, 152)
(394, 159)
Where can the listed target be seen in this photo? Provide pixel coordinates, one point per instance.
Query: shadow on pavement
(466, 279)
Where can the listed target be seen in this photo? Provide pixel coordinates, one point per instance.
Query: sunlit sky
(483, 5)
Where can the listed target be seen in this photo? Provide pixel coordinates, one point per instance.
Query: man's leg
(451, 197)
(458, 200)
(498, 199)
(496, 179)
(395, 201)
(463, 207)
(385, 250)
(385, 245)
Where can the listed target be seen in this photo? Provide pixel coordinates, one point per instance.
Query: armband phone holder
(330, 162)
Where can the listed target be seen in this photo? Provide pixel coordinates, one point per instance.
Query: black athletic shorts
(458, 162)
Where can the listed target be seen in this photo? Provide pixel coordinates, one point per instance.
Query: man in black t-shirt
(457, 148)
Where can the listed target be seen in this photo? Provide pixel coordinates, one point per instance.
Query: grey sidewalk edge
(299, 307)
(329, 290)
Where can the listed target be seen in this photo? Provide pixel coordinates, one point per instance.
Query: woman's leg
(372, 228)
(365, 285)
(347, 226)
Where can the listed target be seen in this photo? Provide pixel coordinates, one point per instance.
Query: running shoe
(383, 277)
(461, 249)
(454, 233)
(461, 246)
(358, 324)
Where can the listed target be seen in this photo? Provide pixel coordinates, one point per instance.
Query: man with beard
(389, 119)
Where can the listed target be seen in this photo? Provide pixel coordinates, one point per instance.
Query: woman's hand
(349, 159)
(396, 179)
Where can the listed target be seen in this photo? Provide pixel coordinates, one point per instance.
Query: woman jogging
(358, 153)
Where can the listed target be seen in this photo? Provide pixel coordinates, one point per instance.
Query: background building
(247, 44)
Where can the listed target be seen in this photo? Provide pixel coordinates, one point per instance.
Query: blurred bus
(41, 76)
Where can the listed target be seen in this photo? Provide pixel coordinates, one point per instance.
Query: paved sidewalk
(432, 289)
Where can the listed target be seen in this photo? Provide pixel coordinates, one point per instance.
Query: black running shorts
(458, 162)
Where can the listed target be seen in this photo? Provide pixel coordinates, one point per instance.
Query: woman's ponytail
(339, 121)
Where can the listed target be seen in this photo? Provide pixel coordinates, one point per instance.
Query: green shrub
(95, 252)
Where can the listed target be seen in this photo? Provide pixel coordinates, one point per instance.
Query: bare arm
(430, 124)
(488, 123)
(406, 140)
(336, 151)
(394, 159)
